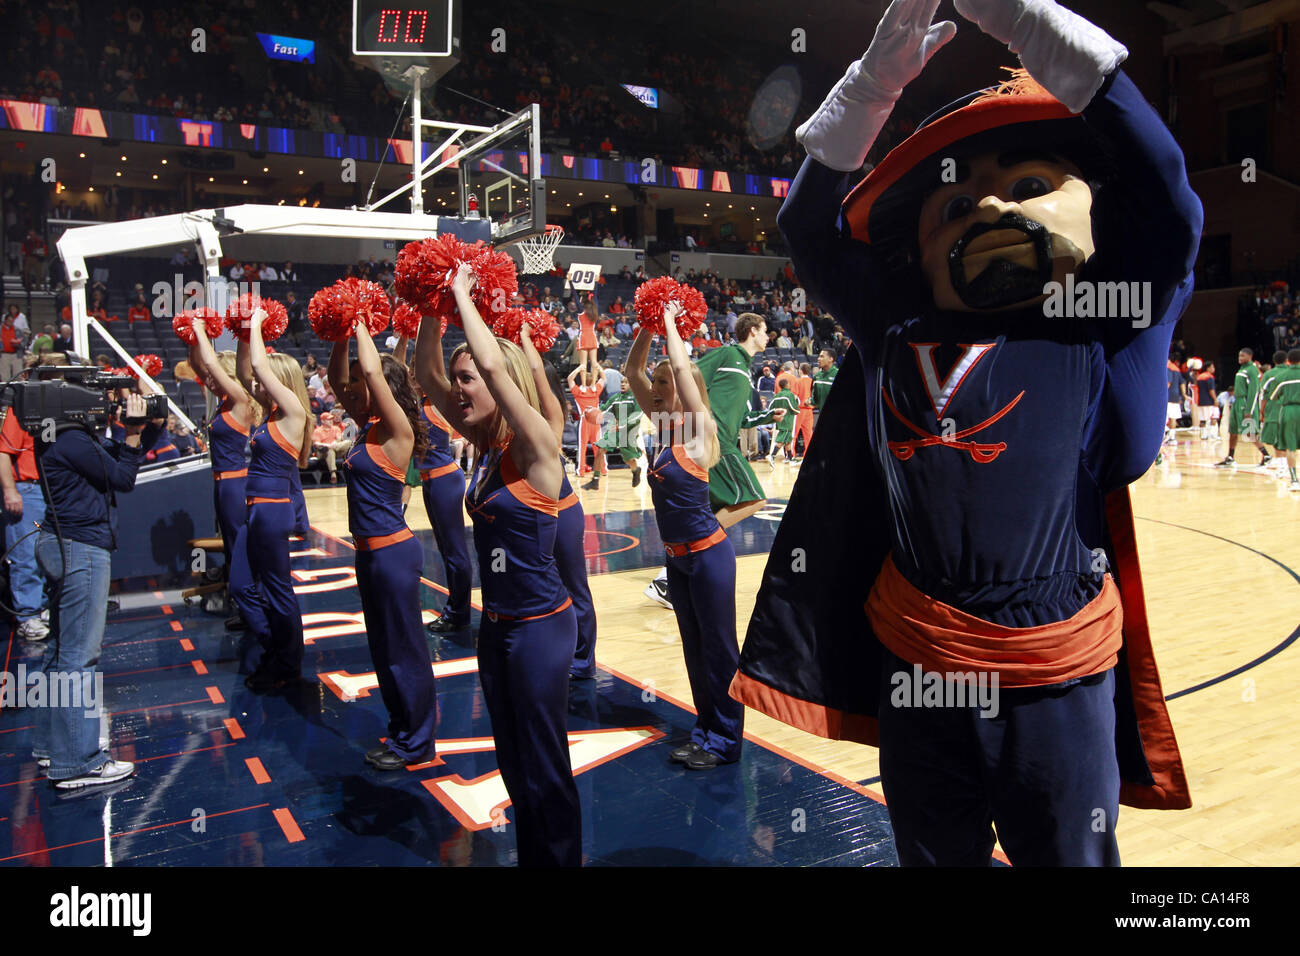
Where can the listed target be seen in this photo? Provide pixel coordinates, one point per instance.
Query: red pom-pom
(653, 297)
(542, 329)
(335, 311)
(183, 324)
(151, 364)
(273, 326)
(406, 320)
(424, 272)
(496, 282)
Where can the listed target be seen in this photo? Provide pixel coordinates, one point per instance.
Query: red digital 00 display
(398, 27)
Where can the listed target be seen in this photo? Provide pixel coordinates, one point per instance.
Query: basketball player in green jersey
(1241, 420)
(620, 434)
(1265, 416)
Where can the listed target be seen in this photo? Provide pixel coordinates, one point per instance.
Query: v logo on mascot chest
(941, 396)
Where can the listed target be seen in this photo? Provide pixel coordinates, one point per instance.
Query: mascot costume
(1010, 276)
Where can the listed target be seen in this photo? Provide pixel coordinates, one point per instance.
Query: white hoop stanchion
(539, 251)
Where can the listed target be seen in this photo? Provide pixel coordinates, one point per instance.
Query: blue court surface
(229, 778)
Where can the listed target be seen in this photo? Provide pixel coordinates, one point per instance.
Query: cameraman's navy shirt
(80, 471)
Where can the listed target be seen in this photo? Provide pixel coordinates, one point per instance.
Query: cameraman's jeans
(69, 736)
(25, 579)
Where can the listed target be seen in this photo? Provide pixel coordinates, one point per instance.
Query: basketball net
(539, 251)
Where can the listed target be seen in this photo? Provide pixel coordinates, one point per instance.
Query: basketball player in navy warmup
(281, 445)
(378, 391)
(528, 630)
(701, 559)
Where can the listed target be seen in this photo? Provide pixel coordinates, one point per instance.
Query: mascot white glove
(1069, 56)
(842, 130)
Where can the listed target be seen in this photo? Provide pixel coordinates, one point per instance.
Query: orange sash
(940, 638)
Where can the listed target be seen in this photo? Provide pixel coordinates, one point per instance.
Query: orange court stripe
(187, 644)
(260, 776)
(288, 825)
(166, 608)
(233, 728)
(214, 695)
(199, 667)
(177, 626)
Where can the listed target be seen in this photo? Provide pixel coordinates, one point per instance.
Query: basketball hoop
(539, 251)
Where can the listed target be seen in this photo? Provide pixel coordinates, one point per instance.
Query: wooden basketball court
(1220, 554)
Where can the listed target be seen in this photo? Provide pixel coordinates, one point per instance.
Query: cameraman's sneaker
(111, 771)
(33, 629)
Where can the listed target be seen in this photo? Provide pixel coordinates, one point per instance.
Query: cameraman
(81, 474)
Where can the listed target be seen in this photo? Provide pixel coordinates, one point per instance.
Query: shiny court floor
(227, 777)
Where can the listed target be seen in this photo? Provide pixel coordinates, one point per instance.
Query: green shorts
(732, 481)
(609, 442)
(1288, 429)
(1239, 423)
(1268, 434)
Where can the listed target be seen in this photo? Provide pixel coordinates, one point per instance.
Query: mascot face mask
(1012, 222)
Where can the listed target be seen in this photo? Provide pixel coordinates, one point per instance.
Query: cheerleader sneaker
(1295, 486)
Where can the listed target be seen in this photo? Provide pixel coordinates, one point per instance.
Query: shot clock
(405, 28)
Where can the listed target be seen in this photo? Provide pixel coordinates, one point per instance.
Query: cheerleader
(587, 396)
(389, 558)
(701, 559)
(244, 371)
(228, 431)
(528, 630)
(571, 526)
(587, 345)
(281, 445)
(443, 484)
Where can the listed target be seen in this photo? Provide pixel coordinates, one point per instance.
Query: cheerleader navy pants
(263, 587)
(1042, 770)
(571, 560)
(444, 503)
(232, 511)
(702, 588)
(388, 580)
(524, 671)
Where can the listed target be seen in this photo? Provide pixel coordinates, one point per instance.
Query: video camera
(73, 395)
